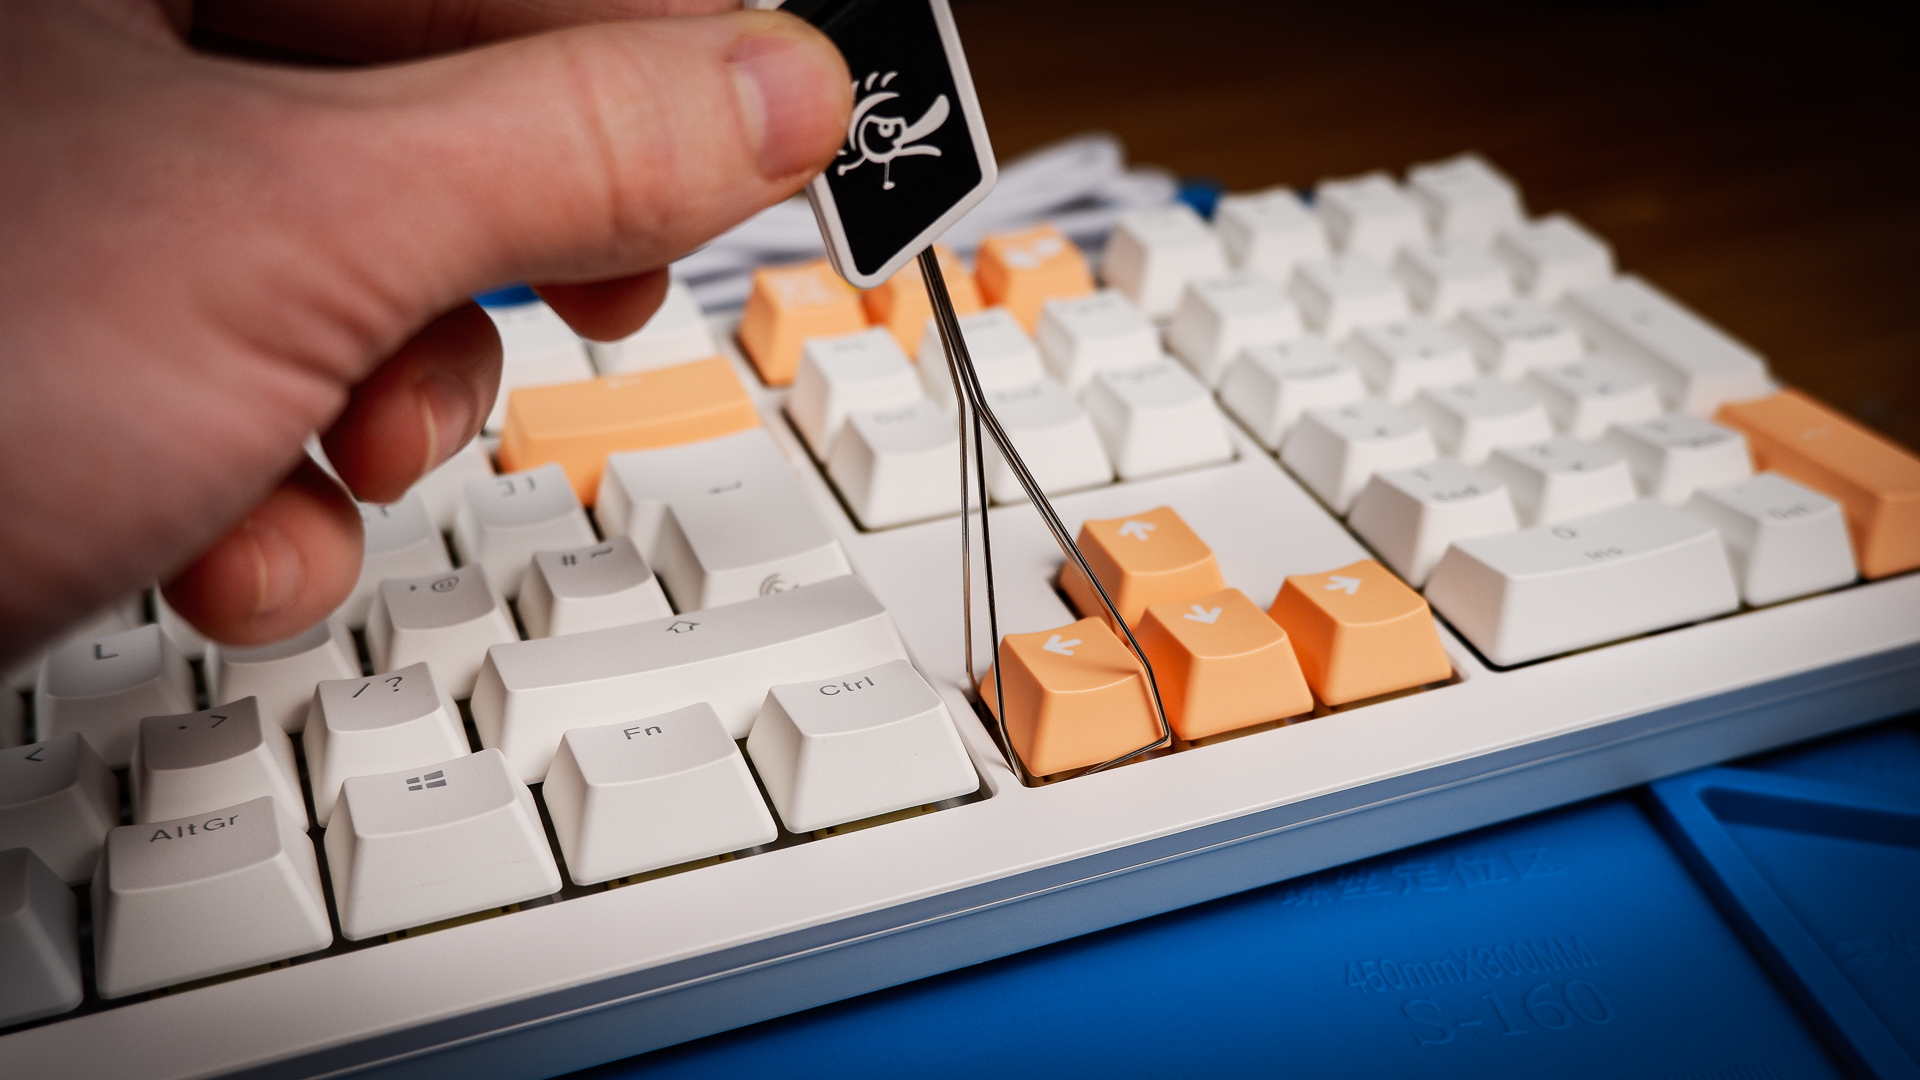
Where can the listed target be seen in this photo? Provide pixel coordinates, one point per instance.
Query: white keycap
(855, 746)
(1540, 591)
(669, 789)
(1270, 386)
(1561, 478)
(1409, 516)
(102, 686)
(1055, 437)
(1785, 540)
(1470, 420)
(359, 727)
(1003, 355)
(533, 691)
(1510, 339)
(115, 618)
(1335, 451)
(1337, 296)
(1554, 255)
(1399, 359)
(447, 621)
(58, 798)
(1586, 398)
(1152, 254)
(401, 542)
(203, 895)
(39, 940)
(676, 333)
(1269, 232)
(537, 348)
(1698, 366)
(590, 588)
(1218, 318)
(1084, 334)
(893, 466)
(1464, 198)
(198, 762)
(840, 375)
(503, 520)
(1156, 418)
(1445, 276)
(1672, 456)
(281, 675)
(435, 842)
(1369, 215)
(719, 521)
(441, 488)
(191, 642)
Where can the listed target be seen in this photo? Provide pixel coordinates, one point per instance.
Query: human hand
(207, 259)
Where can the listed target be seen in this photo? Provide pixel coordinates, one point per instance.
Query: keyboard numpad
(659, 791)
(102, 686)
(359, 727)
(39, 940)
(203, 895)
(1021, 271)
(589, 588)
(855, 746)
(1152, 557)
(579, 424)
(1359, 632)
(281, 675)
(435, 842)
(505, 519)
(1075, 697)
(1222, 664)
(196, 763)
(1876, 481)
(790, 304)
(58, 798)
(900, 305)
(446, 621)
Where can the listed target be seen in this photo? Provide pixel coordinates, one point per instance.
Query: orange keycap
(579, 424)
(1222, 664)
(1021, 271)
(900, 303)
(1076, 697)
(1359, 632)
(1150, 558)
(1875, 481)
(790, 304)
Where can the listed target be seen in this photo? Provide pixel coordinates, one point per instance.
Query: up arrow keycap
(1064, 648)
(1336, 583)
(1136, 529)
(1203, 615)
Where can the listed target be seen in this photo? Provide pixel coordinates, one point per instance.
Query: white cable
(1080, 184)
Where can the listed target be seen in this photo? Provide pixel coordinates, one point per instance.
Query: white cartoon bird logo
(880, 139)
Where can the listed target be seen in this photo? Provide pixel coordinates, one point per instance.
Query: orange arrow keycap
(1222, 665)
(1148, 558)
(1076, 697)
(1360, 632)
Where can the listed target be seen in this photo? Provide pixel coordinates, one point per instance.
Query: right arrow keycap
(1359, 632)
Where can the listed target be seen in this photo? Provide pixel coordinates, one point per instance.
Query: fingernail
(448, 411)
(785, 84)
(277, 569)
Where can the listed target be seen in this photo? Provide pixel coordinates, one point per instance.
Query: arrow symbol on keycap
(682, 626)
(1200, 614)
(1064, 648)
(1336, 583)
(1136, 529)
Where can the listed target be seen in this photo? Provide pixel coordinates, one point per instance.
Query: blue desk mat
(1571, 944)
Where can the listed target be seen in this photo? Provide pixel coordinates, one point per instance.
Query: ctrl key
(435, 842)
(39, 940)
(198, 896)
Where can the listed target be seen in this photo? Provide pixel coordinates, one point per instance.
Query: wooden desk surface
(1757, 161)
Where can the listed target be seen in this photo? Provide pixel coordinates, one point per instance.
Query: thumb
(580, 155)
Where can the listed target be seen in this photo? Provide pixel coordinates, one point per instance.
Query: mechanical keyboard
(651, 716)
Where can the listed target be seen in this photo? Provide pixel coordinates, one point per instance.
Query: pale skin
(204, 260)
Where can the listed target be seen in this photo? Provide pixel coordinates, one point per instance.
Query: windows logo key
(436, 778)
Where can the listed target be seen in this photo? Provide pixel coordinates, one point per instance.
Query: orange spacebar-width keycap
(579, 424)
(1076, 697)
(1876, 481)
